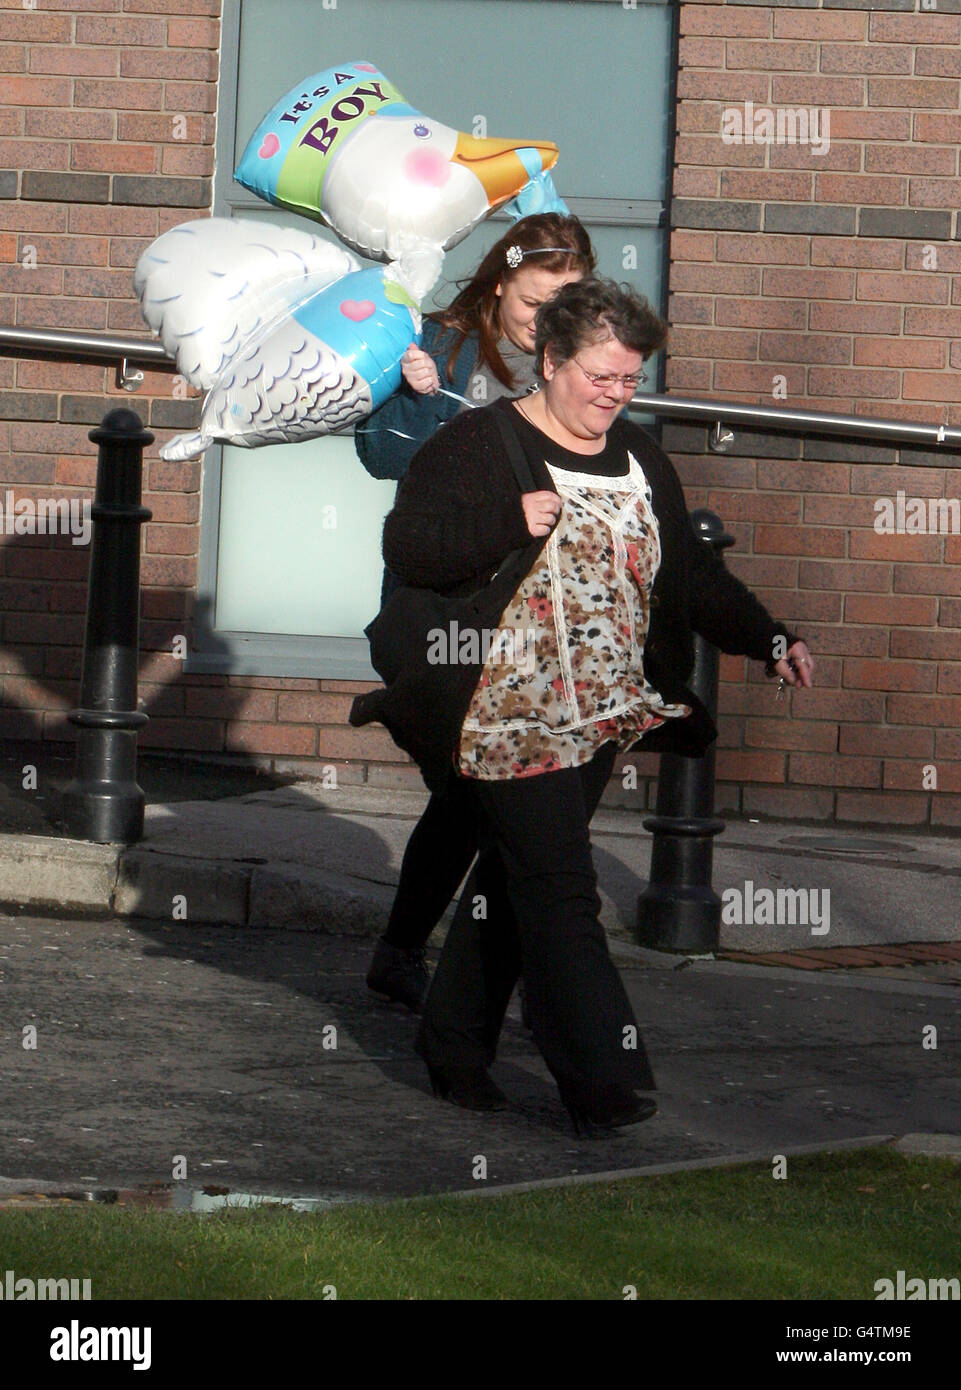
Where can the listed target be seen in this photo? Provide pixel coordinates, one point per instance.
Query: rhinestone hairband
(515, 255)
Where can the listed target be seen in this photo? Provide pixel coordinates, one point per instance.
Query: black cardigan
(458, 514)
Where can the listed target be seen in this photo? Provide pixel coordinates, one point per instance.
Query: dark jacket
(387, 455)
(458, 513)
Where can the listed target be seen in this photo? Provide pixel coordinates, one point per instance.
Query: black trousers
(530, 908)
(439, 852)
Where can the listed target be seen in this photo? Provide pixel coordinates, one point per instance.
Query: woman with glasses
(481, 347)
(608, 611)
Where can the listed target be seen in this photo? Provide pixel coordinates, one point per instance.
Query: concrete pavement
(209, 1007)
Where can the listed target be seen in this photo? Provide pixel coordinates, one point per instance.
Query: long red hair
(475, 308)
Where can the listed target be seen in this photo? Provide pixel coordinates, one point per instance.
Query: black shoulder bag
(424, 702)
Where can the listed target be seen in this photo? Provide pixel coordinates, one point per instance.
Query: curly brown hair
(592, 311)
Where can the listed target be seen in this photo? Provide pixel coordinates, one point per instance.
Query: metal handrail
(107, 347)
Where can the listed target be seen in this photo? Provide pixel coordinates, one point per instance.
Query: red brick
(187, 7)
(764, 250)
(80, 125)
(844, 575)
(27, 91)
(889, 675)
(927, 579)
(115, 158)
(913, 93)
(861, 189)
(949, 681)
(873, 545)
(695, 183)
(701, 53)
(857, 318)
(804, 347)
(119, 95)
(734, 87)
(29, 26)
(916, 743)
(927, 646)
(152, 127)
(320, 709)
(927, 710)
(292, 739)
(798, 540)
(74, 62)
(766, 185)
(853, 382)
(690, 308)
(759, 571)
(796, 608)
(762, 313)
(724, 20)
(807, 283)
(197, 65)
(186, 161)
(691, 246)
(371, 742)
(910, 159)
(926, 386)
(934, 193)
(114, 221)
(688, 376)
(249, 706)
(193, 33)
(933, 323)
(738, 377)
(709, 150)
(771, 57)
(887, 808)
(912, 289)
(898, 352)
(940, 129)
(818, 91)
(835, 770)
(716, 279)
(735, 765)
(884, 481)
(841, 156)
(846, 640)
(806, 476)
(874, 252)
(824, 25)
(115, 29)
(273, 683)
(698, 342)
(167, 569)
(937, 62)
(870, 125)
(810, 735)
(857, 57)
(190, 96)
(914, 28)
(946, 811)
(890, 610)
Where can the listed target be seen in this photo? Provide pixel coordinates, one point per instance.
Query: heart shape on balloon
(365, 67)
(358, 309)
(269, 147)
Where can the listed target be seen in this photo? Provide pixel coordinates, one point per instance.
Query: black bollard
(679, 910)
(103, 803)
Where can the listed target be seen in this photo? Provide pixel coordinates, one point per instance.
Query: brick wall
(827, 275)
(815, 269)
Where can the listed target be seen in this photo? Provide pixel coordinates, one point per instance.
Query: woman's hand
(420, 371)
(796, 667)
(541, 510)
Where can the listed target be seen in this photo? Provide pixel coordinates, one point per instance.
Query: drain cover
(849, 844)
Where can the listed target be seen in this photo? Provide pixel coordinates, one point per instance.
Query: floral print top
(564, 671)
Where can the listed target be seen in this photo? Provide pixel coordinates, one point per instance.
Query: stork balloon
(287, 334)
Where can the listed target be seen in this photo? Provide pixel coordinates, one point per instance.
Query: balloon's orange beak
(496, 164)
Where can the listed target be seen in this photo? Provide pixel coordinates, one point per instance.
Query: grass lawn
(833, 1226)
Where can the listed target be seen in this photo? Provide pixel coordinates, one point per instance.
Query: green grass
(835, 1225)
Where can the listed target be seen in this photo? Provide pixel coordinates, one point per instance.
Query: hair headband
(515, 255)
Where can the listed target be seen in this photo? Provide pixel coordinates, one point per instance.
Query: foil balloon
(345, 147)
(287, 335)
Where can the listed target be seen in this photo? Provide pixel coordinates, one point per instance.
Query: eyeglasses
(601, 381)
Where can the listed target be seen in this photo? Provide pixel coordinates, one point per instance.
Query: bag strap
(518, 459)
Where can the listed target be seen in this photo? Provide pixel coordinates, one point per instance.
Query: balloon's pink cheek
(427, 166)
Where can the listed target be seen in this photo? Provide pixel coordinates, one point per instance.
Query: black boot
(400, 973)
